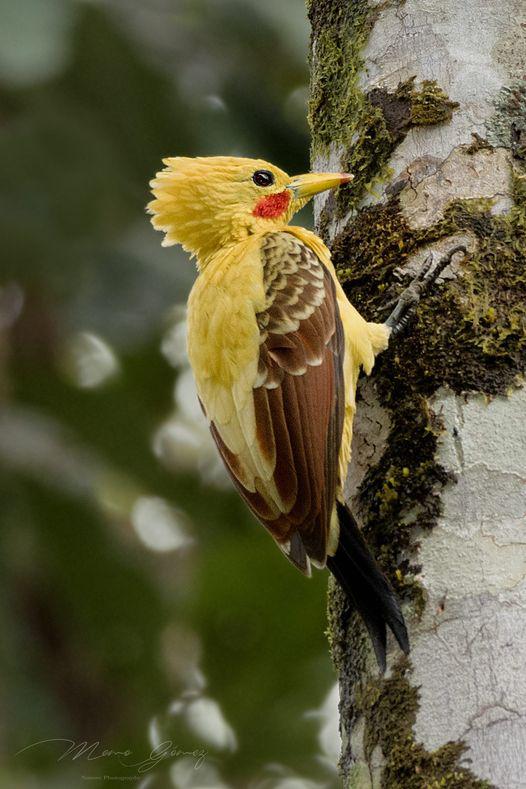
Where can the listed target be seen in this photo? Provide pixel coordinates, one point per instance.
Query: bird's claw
(414, 288)
(405, 304)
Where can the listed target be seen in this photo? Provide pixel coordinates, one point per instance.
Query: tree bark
(425, 102)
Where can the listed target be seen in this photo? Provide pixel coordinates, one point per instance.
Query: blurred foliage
(104, 639)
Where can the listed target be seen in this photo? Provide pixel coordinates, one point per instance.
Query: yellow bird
(276, 349)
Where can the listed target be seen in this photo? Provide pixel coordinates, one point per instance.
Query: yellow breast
(223, 334)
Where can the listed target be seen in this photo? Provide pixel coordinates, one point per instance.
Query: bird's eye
(263, 178)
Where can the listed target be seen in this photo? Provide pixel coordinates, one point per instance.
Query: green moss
(350, 652)
(479, 345)
(365, 127)
(483, 313)
(389, 708)
(339, 112)
(384, 120)
(339, 30)
(431, 105)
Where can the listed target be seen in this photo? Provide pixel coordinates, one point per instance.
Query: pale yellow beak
(312, 183)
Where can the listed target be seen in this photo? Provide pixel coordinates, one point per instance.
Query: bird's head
(209, 202)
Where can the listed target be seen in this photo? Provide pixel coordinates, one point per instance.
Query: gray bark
(469, 641)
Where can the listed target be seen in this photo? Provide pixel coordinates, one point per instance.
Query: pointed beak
(312, 183)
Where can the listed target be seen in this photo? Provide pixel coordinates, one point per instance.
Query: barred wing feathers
(282, 444)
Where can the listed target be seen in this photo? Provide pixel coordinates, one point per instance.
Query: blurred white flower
(215, 102)
(186, 399)
(205, 719)
(42, 448)
(329, 732)
(173, 345)
(89, 360)
(181, 652)
(180, 444)
(183, 442)
(160, 526)
(155, 734)
(188, 771)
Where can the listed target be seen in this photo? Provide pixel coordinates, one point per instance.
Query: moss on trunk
(366, 128)
(469, 335)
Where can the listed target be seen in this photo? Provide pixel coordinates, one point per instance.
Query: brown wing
(298, 401)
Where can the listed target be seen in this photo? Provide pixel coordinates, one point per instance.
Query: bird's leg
(406, 304)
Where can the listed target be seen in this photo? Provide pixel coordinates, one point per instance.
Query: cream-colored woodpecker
(276, 349)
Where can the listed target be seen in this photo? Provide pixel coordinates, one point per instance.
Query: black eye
(263, 178)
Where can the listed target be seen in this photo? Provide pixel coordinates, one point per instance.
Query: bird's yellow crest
(208, 203)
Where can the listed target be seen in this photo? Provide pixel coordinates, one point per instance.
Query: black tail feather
(357, 572)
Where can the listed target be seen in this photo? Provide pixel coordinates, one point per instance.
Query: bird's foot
(407, 302)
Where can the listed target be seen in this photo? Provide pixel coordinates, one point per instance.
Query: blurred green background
(141, 607)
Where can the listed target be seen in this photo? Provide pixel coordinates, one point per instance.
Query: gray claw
(406, 304)
(425, 268)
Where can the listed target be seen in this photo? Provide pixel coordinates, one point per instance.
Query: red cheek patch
(272, 206)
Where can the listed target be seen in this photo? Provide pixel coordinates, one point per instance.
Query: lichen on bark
(408, 764)
(366, 127)
(479, 344)
(508, 124)
(478, 321)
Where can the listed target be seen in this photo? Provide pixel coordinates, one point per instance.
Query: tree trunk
(425, 102)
